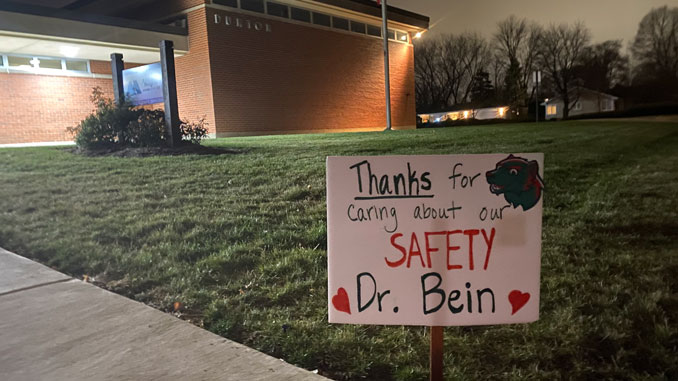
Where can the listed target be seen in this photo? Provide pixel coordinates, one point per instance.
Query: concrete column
(117, 66)
(169, 92)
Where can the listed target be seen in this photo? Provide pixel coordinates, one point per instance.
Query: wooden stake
(436, 357)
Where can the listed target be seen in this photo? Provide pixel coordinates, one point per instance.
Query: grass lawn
(240, 240)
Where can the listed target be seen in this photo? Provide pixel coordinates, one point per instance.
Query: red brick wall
(299, 78)
(295, 78)
(194, 84)
(39, 108)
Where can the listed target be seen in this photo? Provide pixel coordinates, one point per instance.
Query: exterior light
(403, 37)
(501, 111)
(418, 35)
(35, 62)
(465, 114)
(69, 51)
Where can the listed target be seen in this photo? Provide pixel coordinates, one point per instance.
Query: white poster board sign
(434, 240)
(143, 84)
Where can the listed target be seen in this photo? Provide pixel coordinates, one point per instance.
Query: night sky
(607, 19)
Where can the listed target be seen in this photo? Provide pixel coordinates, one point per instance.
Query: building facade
(583, 101)
(249, 67)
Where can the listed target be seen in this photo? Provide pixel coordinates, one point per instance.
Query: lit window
(275, 9)
(53, 65)
(76, 65)
(45, 63)
(374, 30)
(339, 23)
(14, 61)
(321, 19)
(551, 110)
(252, 5)
(301, 14)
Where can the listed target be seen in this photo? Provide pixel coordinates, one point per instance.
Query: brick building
(250, 67)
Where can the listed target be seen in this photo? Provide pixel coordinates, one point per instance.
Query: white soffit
(48, 36)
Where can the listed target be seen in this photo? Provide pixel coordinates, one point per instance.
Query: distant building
(586, 101)
(478, 114)
(250, 67)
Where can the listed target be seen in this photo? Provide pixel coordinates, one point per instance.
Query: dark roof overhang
(371, 8)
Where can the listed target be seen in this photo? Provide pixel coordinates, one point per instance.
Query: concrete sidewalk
(53, 327)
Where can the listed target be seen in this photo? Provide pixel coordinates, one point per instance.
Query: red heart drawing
(340, 301)
(518, 300)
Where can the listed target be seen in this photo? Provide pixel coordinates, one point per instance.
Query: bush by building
(114, 125)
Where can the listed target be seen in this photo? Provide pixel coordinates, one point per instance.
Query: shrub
(147, 130)
(114, 125)
(194, 131)
(106, 125)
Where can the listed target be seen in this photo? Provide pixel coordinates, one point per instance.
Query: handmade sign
(434, 240)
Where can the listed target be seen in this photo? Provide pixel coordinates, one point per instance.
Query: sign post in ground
(151, 84)
(169, 90)
(117, 67)
(436, 354)
(441, 240)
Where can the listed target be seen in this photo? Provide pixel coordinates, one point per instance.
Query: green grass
(240, 240)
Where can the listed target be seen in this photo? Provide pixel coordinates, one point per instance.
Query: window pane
(401, 36)
(374, 30)
(275, 9)
(228, 3)
(181, 23)
(357, 27)
(321, 19)
(340, 23)
(19, 61)
(50, 64)
(252, 5)
(76, 65)
(301, 15)
(391, 35)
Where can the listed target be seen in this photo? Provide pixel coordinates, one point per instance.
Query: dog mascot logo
(518, 180)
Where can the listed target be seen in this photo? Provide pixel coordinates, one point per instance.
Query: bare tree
(445, 68)
(429, 78)
(561, 49)
(516, 44)
(473, 55)
(656, 44)
(497, 71)
(603, 66)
